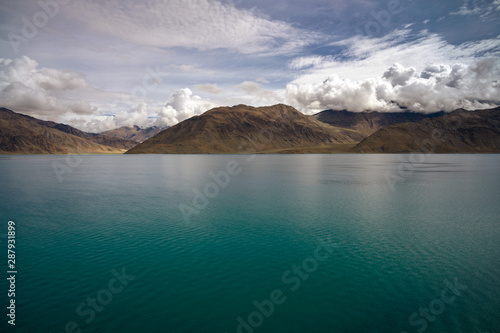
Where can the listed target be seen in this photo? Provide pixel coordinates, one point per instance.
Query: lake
(242, 243)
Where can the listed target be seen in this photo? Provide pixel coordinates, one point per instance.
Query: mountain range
(273, 129)
(134, 133)
(241, 128)
(368, 123)
(21, 134)
(460, 131)
(283, 129)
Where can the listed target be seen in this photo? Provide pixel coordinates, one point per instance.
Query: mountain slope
(242, 128)
(134, 133)
(458, 132)
(21, 134)
(370, 122)
(118, 143)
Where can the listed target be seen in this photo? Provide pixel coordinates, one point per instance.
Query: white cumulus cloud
(183, 105)
(24, 87)
(398, 75)
(436, 87)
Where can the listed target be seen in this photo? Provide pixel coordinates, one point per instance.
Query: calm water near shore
(268, 243)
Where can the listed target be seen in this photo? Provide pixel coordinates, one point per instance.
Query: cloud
(257, 95)
(495, 5)
(211, 88)
(477, 7)
(19, 97)
(339, 94)
(309, 61)
(198, 24)
(24, 87)
(137, 115)
(465, 10)
(262, 80)
(191, 69)
(54, 79)
(249, 87)
(437, 87)
(185, 68)
(63, 96)
(16, 70)
(25, 70)
(398, 75)
(362, 57)
(183, 105)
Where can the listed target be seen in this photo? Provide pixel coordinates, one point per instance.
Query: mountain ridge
(228, 129)
(460, 131)
(23, 134)
(133, 133)
(277, 129)
(371, 121)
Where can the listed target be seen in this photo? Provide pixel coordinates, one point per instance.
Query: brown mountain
(21, 134)
(460, 131)
(273, 129)
(134, 133)
(118, 143)
(239, 129)
(370, 122)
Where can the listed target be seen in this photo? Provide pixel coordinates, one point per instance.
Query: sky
(99, 65)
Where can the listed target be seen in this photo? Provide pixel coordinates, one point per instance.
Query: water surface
(397, 227)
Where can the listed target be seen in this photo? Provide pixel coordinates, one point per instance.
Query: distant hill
(134, 133)
(370, 122)
(21, 134)
(241, 128)
(460, 131)
(97, 138)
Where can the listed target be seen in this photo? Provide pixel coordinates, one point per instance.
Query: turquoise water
(322, 243)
